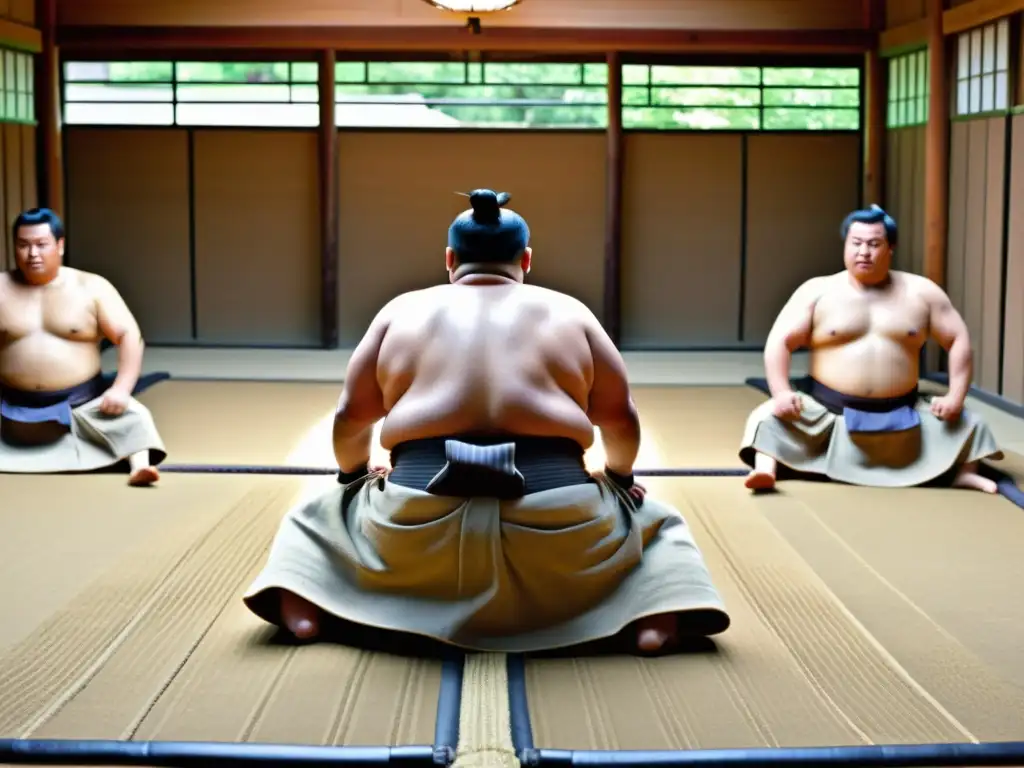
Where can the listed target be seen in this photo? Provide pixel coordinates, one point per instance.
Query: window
(908, 89)
(17, 88)
(982, 69)
(740, 98)
(450, 94)
(279, 94)
(471, 95)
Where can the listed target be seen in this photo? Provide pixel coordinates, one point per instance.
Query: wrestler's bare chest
(66, 311)
(844, 315)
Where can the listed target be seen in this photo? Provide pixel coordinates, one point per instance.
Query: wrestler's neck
(485, 277)
(44, 280)
(877, 285)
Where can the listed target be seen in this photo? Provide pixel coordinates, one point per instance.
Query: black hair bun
(487, 204)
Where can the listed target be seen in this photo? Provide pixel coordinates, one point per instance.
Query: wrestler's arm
(361, 404)
(611, 408)
(118, 325)
(790, 332)
(948, 328)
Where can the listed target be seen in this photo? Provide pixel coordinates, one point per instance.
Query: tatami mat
(147, 638)
(693, 426)
(804, 664)
(949, 557)
(237, 422)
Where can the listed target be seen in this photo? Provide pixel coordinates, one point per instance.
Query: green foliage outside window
(465, 95)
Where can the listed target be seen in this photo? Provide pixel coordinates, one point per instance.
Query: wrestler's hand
(787, 405)
(628, 484)
(947, 407)
(114, 402)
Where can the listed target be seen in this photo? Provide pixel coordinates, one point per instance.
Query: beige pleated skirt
(93, 441)
(553, 569)
(819, 443)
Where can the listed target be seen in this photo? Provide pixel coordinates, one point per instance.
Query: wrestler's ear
(449, 259)
(60, 247)
(526, 260)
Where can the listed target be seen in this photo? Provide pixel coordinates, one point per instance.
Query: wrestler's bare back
(498, 358)
(49, 334)
(867, 342)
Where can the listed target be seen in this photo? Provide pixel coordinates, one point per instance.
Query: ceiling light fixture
(473, 6)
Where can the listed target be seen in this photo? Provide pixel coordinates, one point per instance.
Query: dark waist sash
(869, 414)
(497, 466)
(49, 407)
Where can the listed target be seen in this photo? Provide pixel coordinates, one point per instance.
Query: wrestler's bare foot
(142, 473)
(762, 476)
(299, 616)
(657, 633)
(968, 477)
(143, 476)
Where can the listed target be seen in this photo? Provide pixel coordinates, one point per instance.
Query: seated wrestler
(58, 413)
(488, 532)
(861, 419)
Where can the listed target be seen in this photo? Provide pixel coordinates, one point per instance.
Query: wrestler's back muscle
(867, 343)
(506, 358)
(49, 335)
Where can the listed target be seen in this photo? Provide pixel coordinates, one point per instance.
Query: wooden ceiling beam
(564, 41)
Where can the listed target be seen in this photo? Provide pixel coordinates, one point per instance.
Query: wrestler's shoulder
(87, 280)
(918, 283)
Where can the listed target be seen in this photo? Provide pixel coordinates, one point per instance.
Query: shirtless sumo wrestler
(488, 532)
(862, 420)
(58, 414)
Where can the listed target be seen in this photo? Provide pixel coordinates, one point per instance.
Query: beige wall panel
(916, 218)
(799, 189)
(397, 198)
(956, 241)
(907, 163)
(987, 376)
(974, 241)
(29, 188)
(679, 14)
(6, 245)
(13, 160)
(899, 12)
(892, 180)
(132, 227)
(257, 242)
(1013, 347)
(682, 233)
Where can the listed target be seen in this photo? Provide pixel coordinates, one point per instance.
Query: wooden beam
(936, 163)
(20, 37)
(876, 102)
(614, 159)
(976, 13)
(49, 157)
(874, 129)
(828, 41)
(914, 35)
(906, 37)
(329, 216)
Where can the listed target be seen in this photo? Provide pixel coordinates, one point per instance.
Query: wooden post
(936, 171)
(328, 173)
(612, 309)
(876, 97)
(49, 157)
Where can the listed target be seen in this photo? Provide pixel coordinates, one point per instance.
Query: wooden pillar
(936, 197)
(328, 173)
(876, 98)
(49, 157)
(612, 309)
